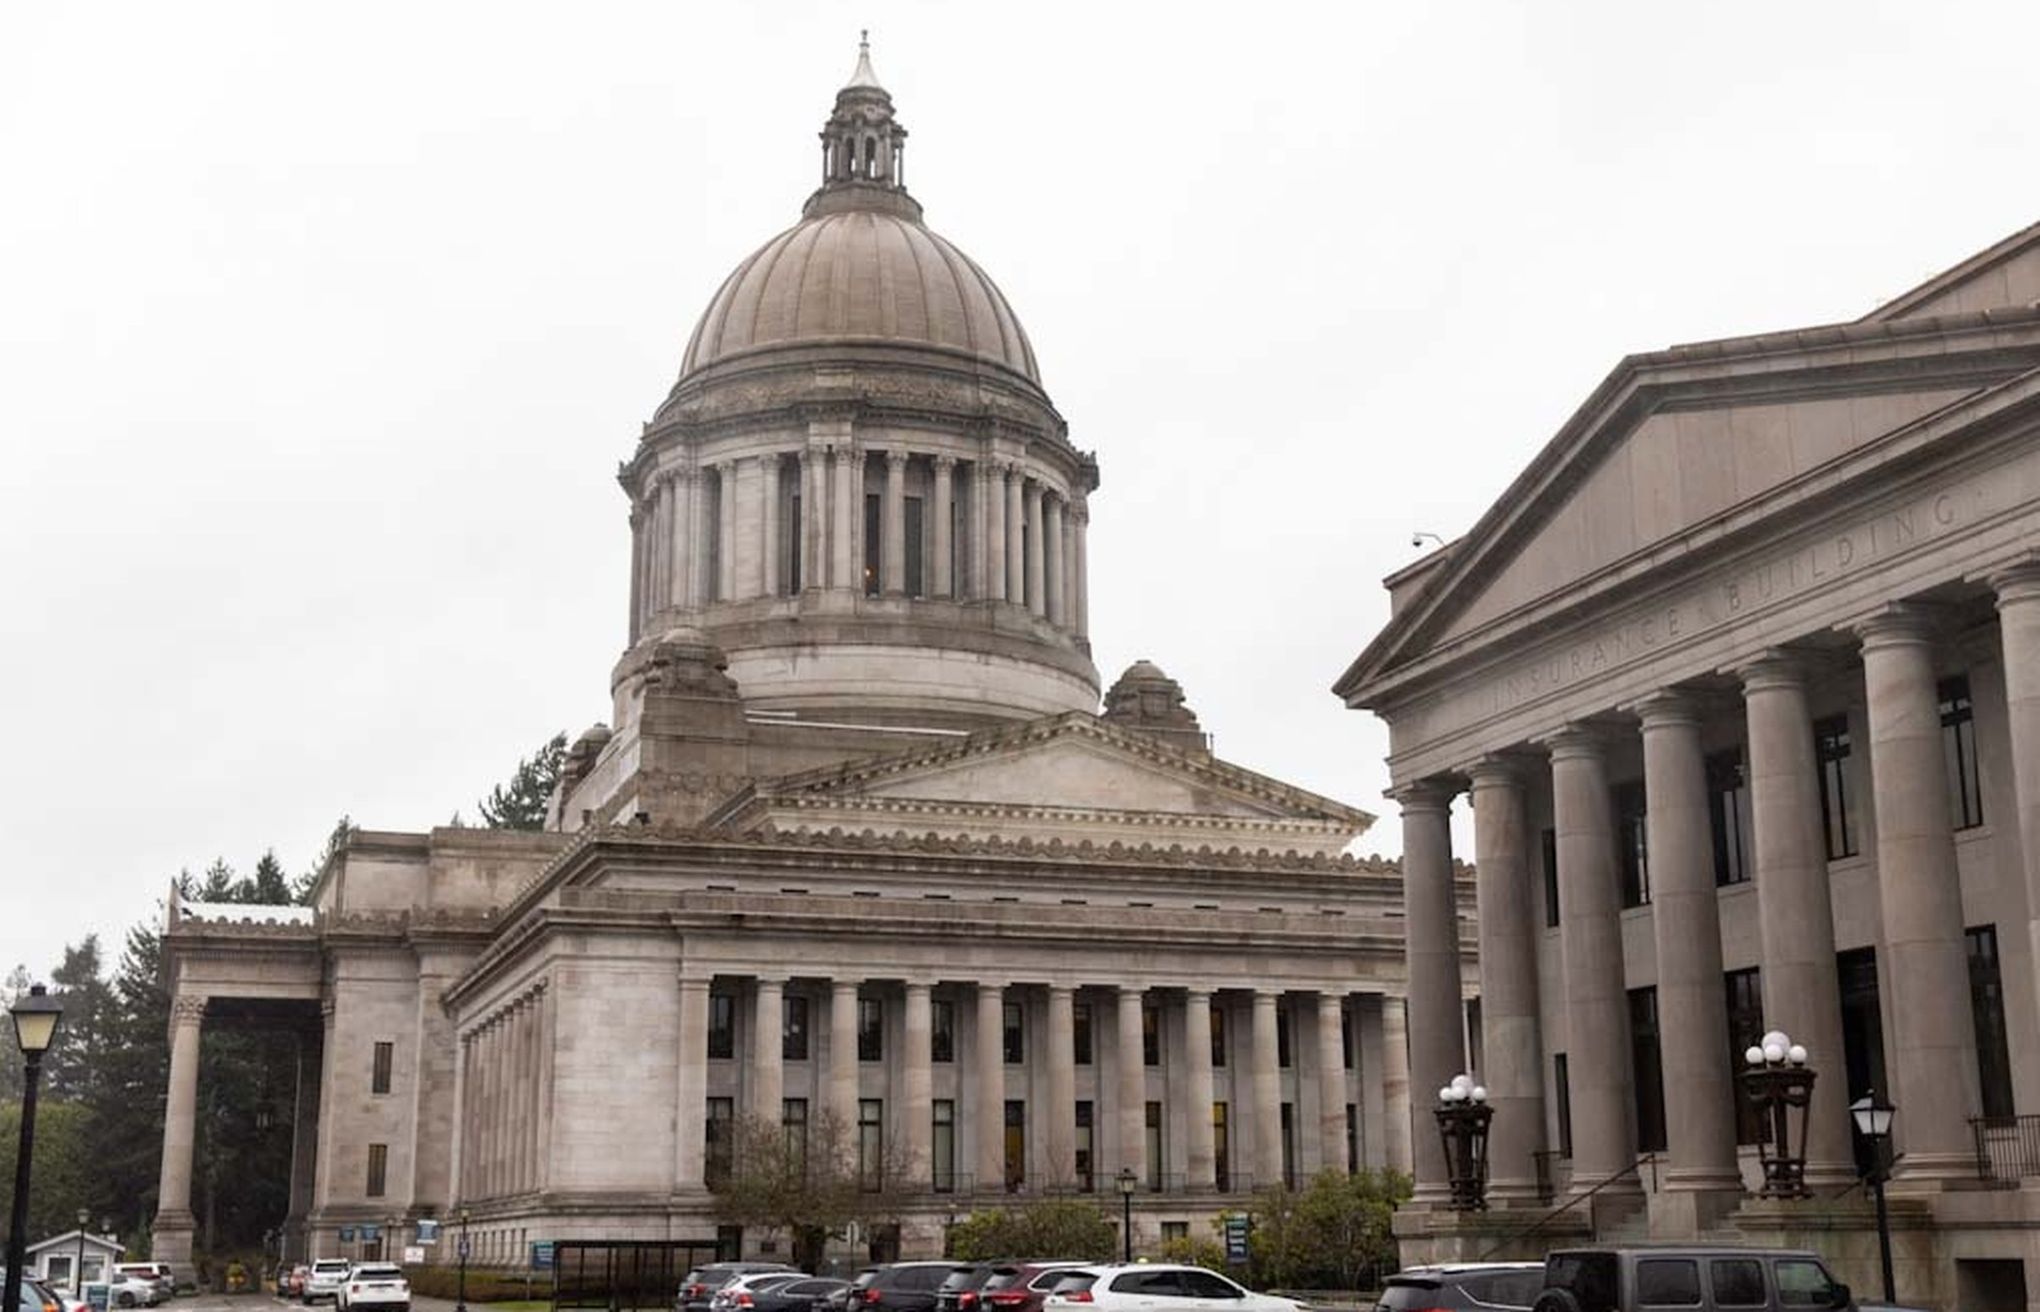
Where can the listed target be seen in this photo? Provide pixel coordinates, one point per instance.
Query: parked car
(1449, 1286)
(324, 1282)
(38, 1297)
(1023, 1287)
(1156, 1287)
(901, 1286)
(700, 1284)
(742, 1293)
(156, 1273)
(379, 1285)
(1704, 1279)
(848, 1296)
(291, 1284)
(126, 1291)
(801, 1294)
(961, 1289)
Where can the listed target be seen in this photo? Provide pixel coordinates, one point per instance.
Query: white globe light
(1774, 1052)
(1462, 1082)
(1796, 1054)
(1445, 1094)
(1479, 1093)
(1777, 1038)
(1753, 1055)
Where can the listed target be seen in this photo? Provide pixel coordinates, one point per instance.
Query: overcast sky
(323, 329)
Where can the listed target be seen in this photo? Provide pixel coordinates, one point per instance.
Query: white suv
(375, 1285)
(1157, 1287)
(324, 1282)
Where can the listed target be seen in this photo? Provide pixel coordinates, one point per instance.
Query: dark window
(1345, 1036)
(1080, 1032)
(1352, 1139)
(870, 1029)
(1831, 750)
(1668, 1282)
(1175, 1230)
(1987, 1002)
(793, 1120)
(1745, 1028)
(1728, 816)
(1738, 1282)
(942, 1146)
(916, 585)
(790, 546)
(719, 1140)
(1205, 1284)
(379, 1067)
(378, 1169)
(793, 1037)
(1561, 1100)
(1085, 1113)
(1221, 1145)
(1632, 844)
(1016, 1144)
(1154, 1146)
(870, 1144)
(941, 1030)
(722, 1025)
(1217, 1036)
(1476, 1057)
(1862, 1034)
(1289, 1145)
(1547, 846)
(874, 539)
(1015, 1035)
(1150, 1034)
(1647, 1070)
(1958, 747)
(715, 539)
(1282, 1028)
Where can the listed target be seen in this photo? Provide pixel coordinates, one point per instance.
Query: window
(1561, 1102)
(870, 1029)
(1668, 1282)
(874, 538)
(916, 585)
(1728, 817)
(870, 1144)
(1345, 1036)
(722, 1025)
(942, 1030)
(378, 1169)
(1085, 1179)
(1150, 1034)
(1958, 747)
(1205, 1284)
(1282, 1036)
(1476, 1058)
(1154, 1147)
(1080, 1032)
(1016, 1144)
(1015, 1036)
(719, 1138)
(1647, 1075)
(1289, 1145)
(1175, 1230)
(790, 536)
(1352, 1139)
(379, 1067)
(1987, 1002)
(942, 1146)
(715, 539)
(1738, 1282)
(1217, 1035)
(793, 1039)
(1745, 1029)
(1632, 844)
(1831, 751)
(1803, 1283)
(1221, 1146)
(1547, 845)
(793, 1120)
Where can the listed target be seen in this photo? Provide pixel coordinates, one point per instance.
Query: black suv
(1701, 1278)
(964, 1287)
(901, 1286)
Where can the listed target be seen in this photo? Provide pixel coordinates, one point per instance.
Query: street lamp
(1128, 1182)
(1778, 1081)
(78, 1267)
(1463, 1115)
(460, 1288)
(35, 1025)
(1873, 1118)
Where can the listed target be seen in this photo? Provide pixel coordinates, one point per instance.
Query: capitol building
(859, 844)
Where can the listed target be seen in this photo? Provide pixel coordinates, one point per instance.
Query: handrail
(1634, 1168)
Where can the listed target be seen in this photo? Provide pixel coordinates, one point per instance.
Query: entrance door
(1862, 1031)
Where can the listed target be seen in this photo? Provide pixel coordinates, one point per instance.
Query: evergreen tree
(84, 1047)
(521, 803)
(271, 887)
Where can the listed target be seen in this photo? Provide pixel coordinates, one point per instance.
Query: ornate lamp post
(1778, 1081)
(1873, 1118)
(460, 1285)
(35, 1026)
(1128, 1182)
(1463, 1115)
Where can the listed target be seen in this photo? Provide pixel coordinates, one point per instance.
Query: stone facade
(1740, 677)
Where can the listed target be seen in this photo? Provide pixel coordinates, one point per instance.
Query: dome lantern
(864, 149)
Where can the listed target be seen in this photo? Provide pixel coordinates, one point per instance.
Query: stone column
(637, 572)
(1130, 1095)
(749, 537)
(847, 519)
(1062, 1085)
(991, 1083)
(842, 1087)
(726, 546)
(1395, 1084)
(917, 1084)
(1037, 587)
(1436, 1014)
(1331, 1077)
(680, 558)
(943, 575)
(893, 570)
(172, 1231)
(1699, 1085)
(769, 584)
(690, 1084)
(1053, 566)
(768, 1070)
(1266, 1078)
(994, 538)
(659, 526)
(1080, 571)
(1590, 936)
(977, 536)
(1920, 896)
(700, 585)
(1511, 1053)
(814, 519)
(1199, 1158)
(2018, 606)
(1016, 546)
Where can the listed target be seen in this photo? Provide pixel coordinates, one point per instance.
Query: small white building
(54, 1260)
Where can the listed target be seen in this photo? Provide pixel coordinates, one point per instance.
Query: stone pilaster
(1436, 1011)
(1512, 1055)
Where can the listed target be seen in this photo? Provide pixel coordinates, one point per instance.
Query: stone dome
(860, 275)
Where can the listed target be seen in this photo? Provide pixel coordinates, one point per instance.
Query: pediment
(2004, 275)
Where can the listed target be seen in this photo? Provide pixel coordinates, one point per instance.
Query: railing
(1509, 1240)
(2007, 1147)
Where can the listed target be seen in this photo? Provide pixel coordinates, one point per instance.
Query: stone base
(1682, 1215)
(170, 1241)
(1500, 1234)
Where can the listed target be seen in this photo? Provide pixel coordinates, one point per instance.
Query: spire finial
(864, 77)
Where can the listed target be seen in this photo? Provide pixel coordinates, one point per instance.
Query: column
(1266, 1078)
(1037, 590)
(2018, 606)
(1395, 1084)
(680, 550)
(848, 519)
(814, 519)
(1130, 1093)
(1510, 1049)
(1699, 1083)
(944, 574)
(1016, 547)
(1053, 566)
(726, 582)
(748, 537)
(174, 1223)
(978, 556)
(691, 1088)
(1436, 1013)
(1590, 936)
(660, 494)
(768, 1071)
(637, 571)
(464, 1142)
(701, 586)
(893, 572)
(769, 584)
(991, 1083)
(546, 1024)
(1081, 571)
(842, 1096)
(1199, 1157)
(1062, 1086)
(1331, 1076)
(304, 1138)
(917, 1085)
(1925, 953)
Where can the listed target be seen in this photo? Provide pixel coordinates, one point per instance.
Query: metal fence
(2007, 1147)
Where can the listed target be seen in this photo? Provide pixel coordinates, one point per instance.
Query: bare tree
(809, 1179)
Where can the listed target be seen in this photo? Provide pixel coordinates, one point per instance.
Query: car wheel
(125, 1300)
(1556, 1300)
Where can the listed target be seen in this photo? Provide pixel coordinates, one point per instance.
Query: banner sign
(541, 1254)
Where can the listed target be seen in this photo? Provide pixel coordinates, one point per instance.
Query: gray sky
(322, 330)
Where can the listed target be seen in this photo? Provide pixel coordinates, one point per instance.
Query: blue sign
(95, 1296)
(1236, 1230)
(346, 1234)
(370, 1233)
(541, 1254)
(428, 1230)
(465, 1251)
